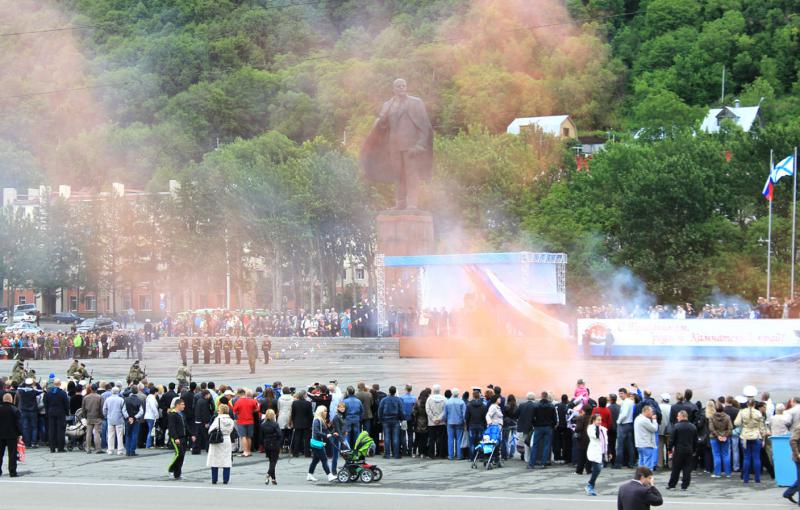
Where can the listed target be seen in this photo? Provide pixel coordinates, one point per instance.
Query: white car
(24, 316)
(22, 327)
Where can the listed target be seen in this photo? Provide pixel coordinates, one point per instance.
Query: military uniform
(218, 351)
(82, 374)
(135, 373)
(196, 344)
(266, 346)
(252, 354)
(206, 351)
(48, 346)
(18, 372)
(183, 346)
(72, 369)
(238, 345)
(227, 346)
(184, 375)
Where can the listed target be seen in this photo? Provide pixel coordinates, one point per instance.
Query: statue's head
(400, 87)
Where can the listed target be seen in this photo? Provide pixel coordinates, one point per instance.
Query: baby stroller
(488, 449)
(355, 465)
(76, 431)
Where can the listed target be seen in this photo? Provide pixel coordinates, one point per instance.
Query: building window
(344, 275)
(221, 300)
(202, 301)
(144, 303)
(126, 302)
(360, 273)
(108, 304)
(73, 303)
(90, 303)
(565, 132)
(22, 300)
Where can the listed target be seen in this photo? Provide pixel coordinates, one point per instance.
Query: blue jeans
(150, 424)
(103, 435)
(722, 456)
(624, 444)
(475, 436)
(509, 442)
(791, 491)
(131, 436)
(391, 439)
(455, 434)
(596, 468)
(542, 439)
(352, 429)
(648, 457)
(734, 449)
(30, 427)
(226, 475)
(336, 447)
(752, 456)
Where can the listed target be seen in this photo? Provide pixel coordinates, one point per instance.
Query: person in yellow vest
(77, 342)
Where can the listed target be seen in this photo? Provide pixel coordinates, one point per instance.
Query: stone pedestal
(404, 232)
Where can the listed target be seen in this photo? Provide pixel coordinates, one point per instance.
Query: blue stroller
(488, 449)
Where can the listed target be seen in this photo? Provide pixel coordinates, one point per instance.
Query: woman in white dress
(220, 454)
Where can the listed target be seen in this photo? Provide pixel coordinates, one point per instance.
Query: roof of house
(550, 124)
(743, 116)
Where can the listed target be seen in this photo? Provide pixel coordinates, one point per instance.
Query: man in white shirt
(624, 429)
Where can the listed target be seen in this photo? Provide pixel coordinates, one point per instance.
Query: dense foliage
(287, 90)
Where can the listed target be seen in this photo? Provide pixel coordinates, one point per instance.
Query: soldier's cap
(136, 362)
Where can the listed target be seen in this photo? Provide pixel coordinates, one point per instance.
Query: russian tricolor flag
(768, 188)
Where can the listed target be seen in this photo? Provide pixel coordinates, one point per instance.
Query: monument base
(404, 232)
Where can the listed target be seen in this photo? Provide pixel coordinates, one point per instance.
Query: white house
(560, 126)
(743, 116)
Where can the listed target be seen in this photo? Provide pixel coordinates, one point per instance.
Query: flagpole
(794, 220)
(769, 237)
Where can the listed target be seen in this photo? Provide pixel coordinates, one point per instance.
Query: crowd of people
(624, 428)
(55, 345)
(763, 308)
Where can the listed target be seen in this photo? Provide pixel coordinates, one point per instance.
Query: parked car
(24, 316)
(67, 318)
(96, 324)
(22, 327)
(29, 307)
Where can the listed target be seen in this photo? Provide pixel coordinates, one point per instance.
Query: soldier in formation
(196, 345)
(227, 345)
(207, 350)
(218, 351)
(183, 346)
(18, 373)
(238, 345)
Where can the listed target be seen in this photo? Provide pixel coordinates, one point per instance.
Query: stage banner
(691, 337)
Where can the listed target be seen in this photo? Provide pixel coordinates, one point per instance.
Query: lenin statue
(399, 149)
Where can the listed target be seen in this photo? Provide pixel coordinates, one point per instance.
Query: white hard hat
(741, 399)
(749, 391)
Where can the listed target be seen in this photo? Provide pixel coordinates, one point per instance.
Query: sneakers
(331, 477)
(310, 478)
(590, 491)
(715, 476)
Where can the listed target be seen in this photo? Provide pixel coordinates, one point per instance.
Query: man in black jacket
(178, 438)
(475, 417)
(544, 421)
(683, 442)
(562, 436)
(525, 422)
(10, 433)
(56, 403)
(164, 403)
(301, 418)
(203, 412)
(639, 493)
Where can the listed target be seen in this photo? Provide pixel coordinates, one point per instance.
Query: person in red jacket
(603, 411)
(245, 408)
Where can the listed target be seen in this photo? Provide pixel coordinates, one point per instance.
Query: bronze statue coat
(374, 157)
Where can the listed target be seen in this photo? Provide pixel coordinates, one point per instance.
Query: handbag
(316, 443)
(216, 436)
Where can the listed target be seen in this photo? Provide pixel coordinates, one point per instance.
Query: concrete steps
(327, 348)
